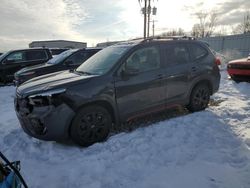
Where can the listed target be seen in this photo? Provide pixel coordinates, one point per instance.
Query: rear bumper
(46, 123)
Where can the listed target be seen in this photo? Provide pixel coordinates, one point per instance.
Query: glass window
(197, 51)
(16, 57)
(177, 54)
(61, 57)
(78, 57)
(36, 55)
(103, 61)
(143, 60)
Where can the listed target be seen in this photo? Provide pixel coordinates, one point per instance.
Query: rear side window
(197, 51)
(176, 54)
(144, 60)
(36, 55)
(16, 57)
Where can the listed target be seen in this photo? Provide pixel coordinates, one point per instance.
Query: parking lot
(204, 149)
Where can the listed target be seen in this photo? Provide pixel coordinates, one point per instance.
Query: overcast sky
(93, 21)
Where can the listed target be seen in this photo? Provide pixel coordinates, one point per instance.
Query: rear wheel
(199, 99)
(91, 124)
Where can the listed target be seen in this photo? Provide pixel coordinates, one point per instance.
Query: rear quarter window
(197, 52)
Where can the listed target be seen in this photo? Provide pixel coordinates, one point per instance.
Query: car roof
(28, 49)
(158, 39)
(93, 48)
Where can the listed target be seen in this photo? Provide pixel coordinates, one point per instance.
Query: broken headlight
(46, 98)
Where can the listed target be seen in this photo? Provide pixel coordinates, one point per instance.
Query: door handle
(194, 69)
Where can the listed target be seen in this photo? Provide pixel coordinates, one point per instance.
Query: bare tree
(174, 32)
(243, 27)
(206, 25)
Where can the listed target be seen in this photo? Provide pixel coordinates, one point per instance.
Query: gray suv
(116, 85)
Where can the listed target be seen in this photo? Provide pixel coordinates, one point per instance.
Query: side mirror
(129, 72)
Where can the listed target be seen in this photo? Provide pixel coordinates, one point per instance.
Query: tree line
(207, 26)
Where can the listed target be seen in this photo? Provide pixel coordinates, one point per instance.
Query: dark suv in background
(118, 84)
(57, 51)
(69, 59)
(12, 61)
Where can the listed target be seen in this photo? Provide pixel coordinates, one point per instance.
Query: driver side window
(143, 60)
(15, 57)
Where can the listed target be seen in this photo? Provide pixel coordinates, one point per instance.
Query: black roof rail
(142, 40)
(169, 38)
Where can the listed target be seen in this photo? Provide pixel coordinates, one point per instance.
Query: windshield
(59, 58)
(103, 61)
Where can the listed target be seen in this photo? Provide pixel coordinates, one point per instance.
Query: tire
(199, 98)
(91, 124)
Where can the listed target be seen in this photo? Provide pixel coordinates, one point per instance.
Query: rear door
(139, 85)
(34, 57)
(177, 64)
(12, 63)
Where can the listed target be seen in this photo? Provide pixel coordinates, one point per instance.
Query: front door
(139, 84)
(12, 63)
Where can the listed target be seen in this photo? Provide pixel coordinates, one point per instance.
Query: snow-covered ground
(200, 150)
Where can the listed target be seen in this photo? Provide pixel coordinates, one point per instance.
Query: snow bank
(204, 149)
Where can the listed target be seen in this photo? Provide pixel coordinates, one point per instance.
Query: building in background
(58, 44)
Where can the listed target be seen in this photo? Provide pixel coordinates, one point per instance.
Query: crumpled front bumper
(47, 122)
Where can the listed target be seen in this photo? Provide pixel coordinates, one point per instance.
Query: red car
(239, 70)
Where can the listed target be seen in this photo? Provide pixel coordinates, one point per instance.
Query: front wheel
(199, 99)
(91, 124)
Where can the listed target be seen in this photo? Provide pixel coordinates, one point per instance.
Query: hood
(51, 81)
(240, 61)
(33, 68)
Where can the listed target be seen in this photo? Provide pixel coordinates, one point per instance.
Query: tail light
(217, 61)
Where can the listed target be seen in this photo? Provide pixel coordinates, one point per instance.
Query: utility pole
(153, 27)
(149, 12)
(145, 18)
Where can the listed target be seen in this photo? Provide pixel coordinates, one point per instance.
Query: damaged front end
(44, 115)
